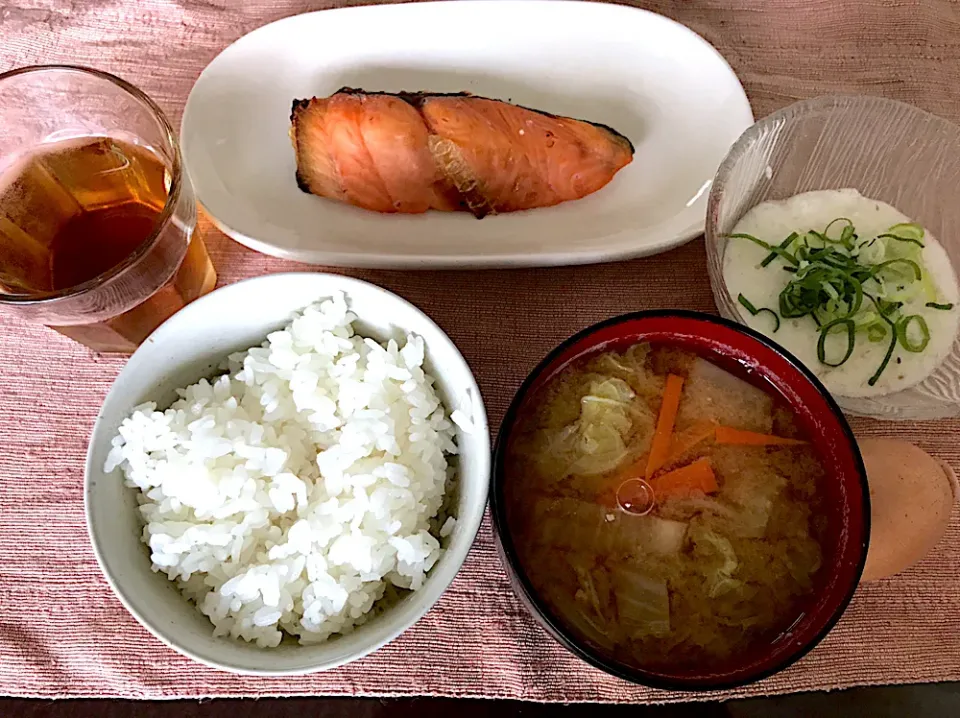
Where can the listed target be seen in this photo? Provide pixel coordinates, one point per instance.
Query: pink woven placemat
(62, 632)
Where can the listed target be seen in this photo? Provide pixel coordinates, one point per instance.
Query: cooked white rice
(287, 495)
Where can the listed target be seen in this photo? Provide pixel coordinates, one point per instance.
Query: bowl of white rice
(287, 474)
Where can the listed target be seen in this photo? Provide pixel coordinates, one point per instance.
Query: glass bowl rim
(806, 107)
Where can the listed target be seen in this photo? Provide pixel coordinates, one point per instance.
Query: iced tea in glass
(97, 218)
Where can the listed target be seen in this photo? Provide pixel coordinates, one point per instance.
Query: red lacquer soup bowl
(845, 495)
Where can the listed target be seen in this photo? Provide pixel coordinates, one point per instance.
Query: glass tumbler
(97, 217)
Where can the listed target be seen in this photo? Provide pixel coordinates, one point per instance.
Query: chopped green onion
(903, 328)
(876, 331)
(831, 277)
(785, 244)
(825, 331)
(917, 272)
(754, 311)
(886, 308)
(910, 230)
(776, 318)
(910, 240)
(857, 294)
(848, 238)
(826, 231)
(846, 234)
(751, 238)
(748, 304)
(890, 348)
(865, 318)
(783, 253)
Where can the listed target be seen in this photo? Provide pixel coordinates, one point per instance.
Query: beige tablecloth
(62, 632)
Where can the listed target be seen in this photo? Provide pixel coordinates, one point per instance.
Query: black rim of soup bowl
(539, 609)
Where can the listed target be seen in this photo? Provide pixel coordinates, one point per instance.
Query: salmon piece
(316, 171)
(360, 181)
(519, 159)
(332, 138)
(404, 161)
(410, 152)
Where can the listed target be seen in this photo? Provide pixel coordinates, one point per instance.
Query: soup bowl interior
(845, 496)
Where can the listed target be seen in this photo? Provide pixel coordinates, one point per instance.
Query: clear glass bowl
(885, 149)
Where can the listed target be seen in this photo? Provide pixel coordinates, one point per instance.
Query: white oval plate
(649, 78)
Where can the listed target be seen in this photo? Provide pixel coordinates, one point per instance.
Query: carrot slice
(729, 435)
(697, 476)
(660, 448)
(688, 440)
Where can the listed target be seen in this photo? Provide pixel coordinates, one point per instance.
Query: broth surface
(706, 573)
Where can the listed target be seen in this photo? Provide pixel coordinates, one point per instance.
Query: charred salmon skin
(410, 152)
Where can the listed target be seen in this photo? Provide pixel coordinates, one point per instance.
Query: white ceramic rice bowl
(191, 345)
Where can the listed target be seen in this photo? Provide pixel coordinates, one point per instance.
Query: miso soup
(664, 509)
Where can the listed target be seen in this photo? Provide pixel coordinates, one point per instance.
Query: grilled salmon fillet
(410, 152)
